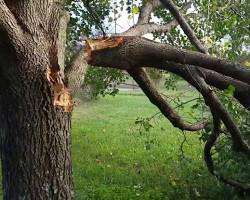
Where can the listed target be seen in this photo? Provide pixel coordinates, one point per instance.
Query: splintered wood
(99, 44)
(62, 95)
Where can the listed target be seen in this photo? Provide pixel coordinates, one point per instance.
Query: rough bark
(75, 72)
(62, 36)
(35, 106)
(138, 52)
(35, 135)
(146, 10)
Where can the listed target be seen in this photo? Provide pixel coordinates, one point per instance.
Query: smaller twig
(210, 143)
(216, 106)
(154, 115)
(186, 102)
(182, 144)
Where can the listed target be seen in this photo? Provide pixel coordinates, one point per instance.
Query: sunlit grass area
(113, 158)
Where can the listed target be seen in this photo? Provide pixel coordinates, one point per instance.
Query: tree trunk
(35, 133)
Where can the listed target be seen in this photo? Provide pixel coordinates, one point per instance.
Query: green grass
(112, 160)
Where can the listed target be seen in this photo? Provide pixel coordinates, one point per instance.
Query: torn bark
(62, 95)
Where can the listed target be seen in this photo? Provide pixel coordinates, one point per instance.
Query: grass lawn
(112, 160)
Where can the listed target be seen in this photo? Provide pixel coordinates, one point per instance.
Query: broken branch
(136, 51)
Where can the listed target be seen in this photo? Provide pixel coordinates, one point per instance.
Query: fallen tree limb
(128, 52)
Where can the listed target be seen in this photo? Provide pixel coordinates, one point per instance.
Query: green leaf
(230, 90)
(135, 10)
(110, 19)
